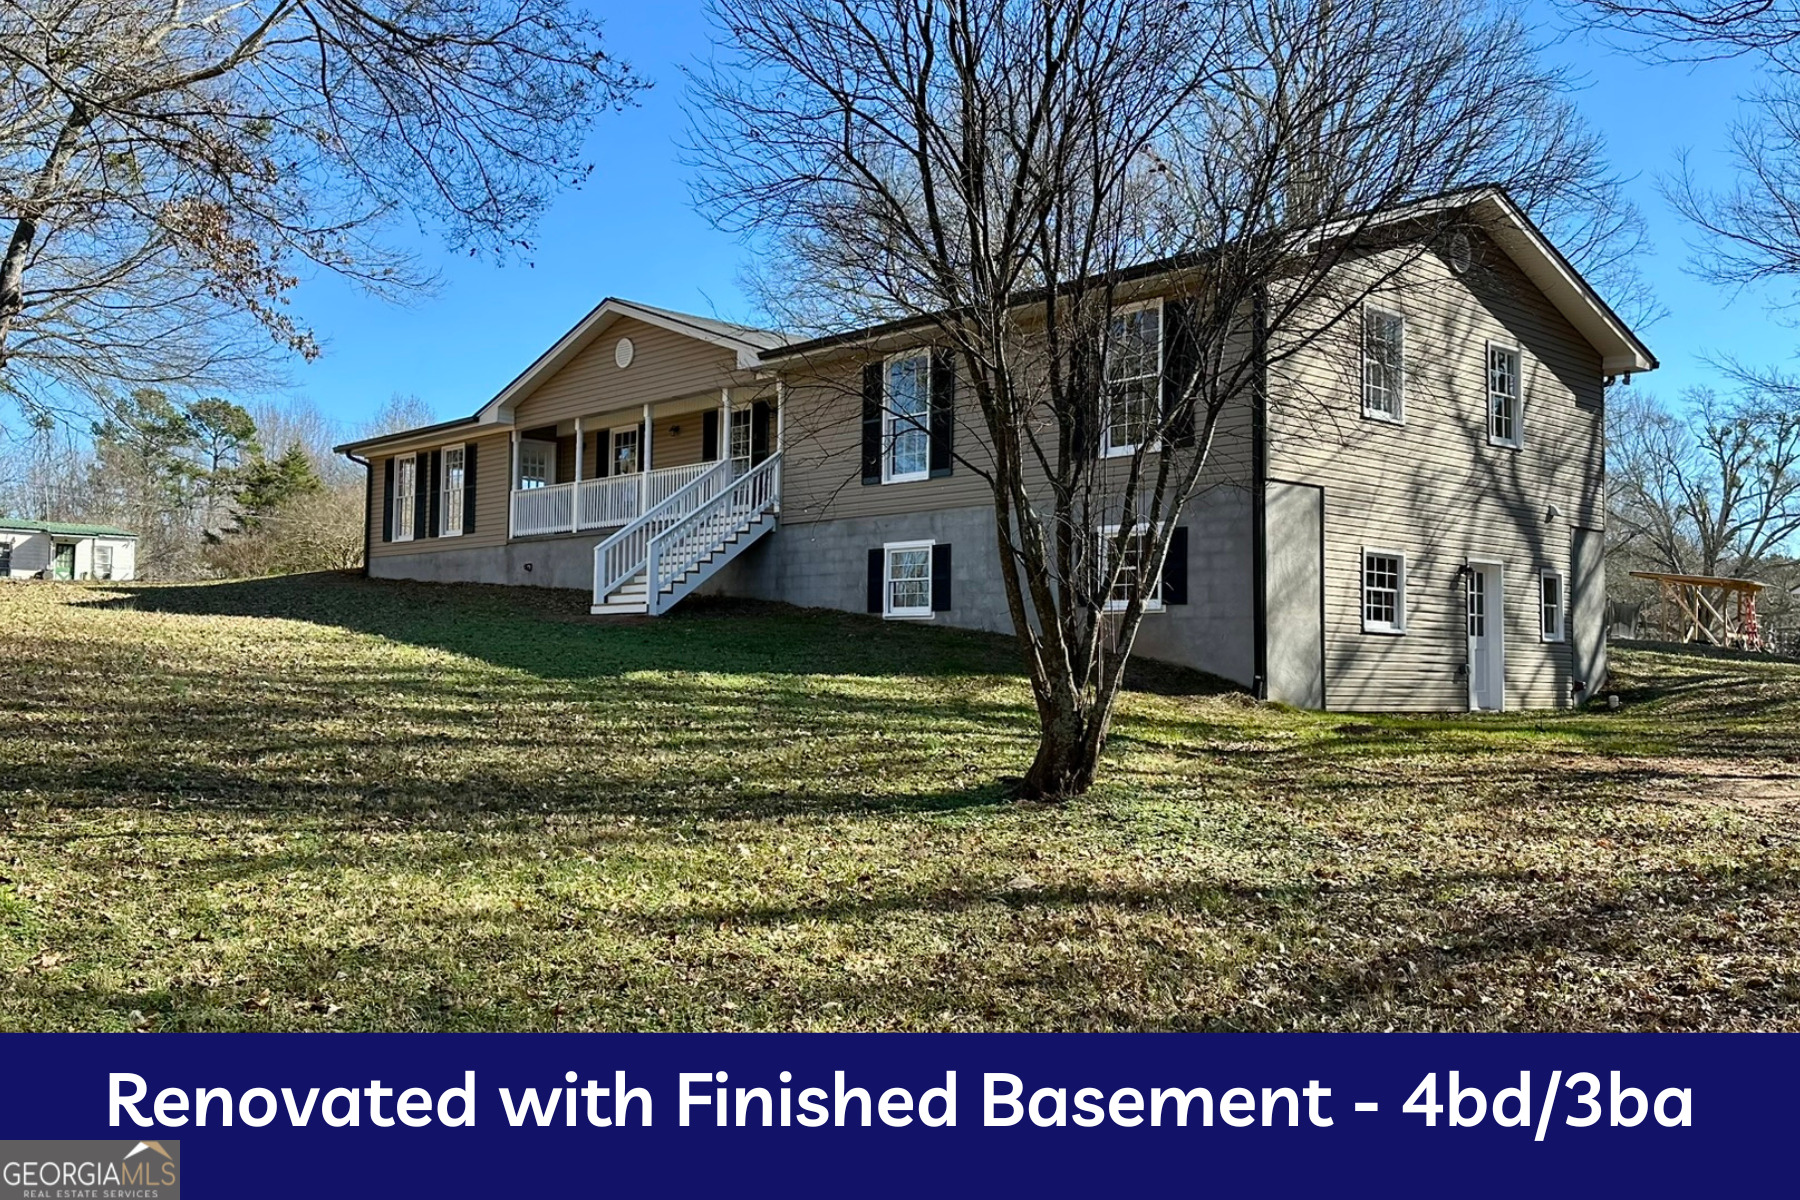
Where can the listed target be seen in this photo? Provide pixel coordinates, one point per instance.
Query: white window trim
(612, 449)
(1105, 534)
(1397, 417)
(1107, 449)
(411, 530)
(444, 505)
(1562, 605)
(1398, 628)
(112, 558)
(887, 582)
(536, 446)
(1517, 442)
(741, 416)
(890, 420)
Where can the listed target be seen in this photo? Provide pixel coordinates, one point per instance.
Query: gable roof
(746, 342)
(1621, 351)
(62, 528)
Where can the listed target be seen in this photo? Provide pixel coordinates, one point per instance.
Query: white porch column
(512, 483)
(724, 423)
(575, 500)
(645, 459)
(780, 433)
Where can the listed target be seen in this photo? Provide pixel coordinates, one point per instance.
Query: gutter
(368, 467)
(1259, 481)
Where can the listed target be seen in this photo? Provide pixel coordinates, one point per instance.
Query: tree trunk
(1070, 739)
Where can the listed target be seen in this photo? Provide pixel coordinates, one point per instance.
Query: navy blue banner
(515, 1115)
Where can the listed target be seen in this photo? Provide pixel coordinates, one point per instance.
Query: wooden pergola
(1713, 609)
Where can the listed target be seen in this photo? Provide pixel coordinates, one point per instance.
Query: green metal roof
(64, 528)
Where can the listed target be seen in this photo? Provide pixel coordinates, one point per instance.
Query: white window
(740, 435)
(1506, 424)
(1384, 364)
(1550, 604)
(103, 561)
(537, 464)
(452, 505)
(907, 588)
(625, 450)
(1133, 379)
(1384, 591)
(1131, 568)
(406, 490)
(905, 416)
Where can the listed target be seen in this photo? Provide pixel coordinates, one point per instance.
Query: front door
(65, 560)
(1487, 655)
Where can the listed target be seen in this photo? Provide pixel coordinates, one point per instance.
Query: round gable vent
(622, 353)
(1460, 252)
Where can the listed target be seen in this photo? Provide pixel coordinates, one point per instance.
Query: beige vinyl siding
(822, 464)
(1437, 490)
(664, 366)
(493, 467)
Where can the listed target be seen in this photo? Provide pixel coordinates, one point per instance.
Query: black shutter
(871, 425)
(603, 453)
(877, 581)
(1181, 362)
(1081, 392)
(759, 430)
(709, 435)
(434, 496)
(469, 488)
(940, 577)
(1174, 579)
(943, 413)
(387, 500)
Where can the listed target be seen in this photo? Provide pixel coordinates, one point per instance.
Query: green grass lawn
(324, 803)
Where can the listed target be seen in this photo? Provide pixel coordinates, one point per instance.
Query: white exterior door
(1487, 625)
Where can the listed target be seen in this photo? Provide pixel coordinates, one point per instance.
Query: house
(59, 550)
(1406, 516)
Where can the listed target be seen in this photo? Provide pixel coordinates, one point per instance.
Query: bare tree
(1749, 231)
(991, 172)
(1710, 490)
(169, 167)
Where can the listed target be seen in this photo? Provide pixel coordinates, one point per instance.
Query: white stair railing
(678, 547)
(622, 555)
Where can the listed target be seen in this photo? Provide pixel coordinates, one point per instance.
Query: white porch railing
(544, 509)
(599, 503)
(677, 549)
(669, 480)
(621, 556)
(613, 501)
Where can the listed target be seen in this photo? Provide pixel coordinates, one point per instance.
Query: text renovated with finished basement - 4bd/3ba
(1056, 597)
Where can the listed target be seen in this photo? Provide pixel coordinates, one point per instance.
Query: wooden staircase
(652, 564)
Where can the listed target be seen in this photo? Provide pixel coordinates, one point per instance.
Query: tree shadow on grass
(549, 633)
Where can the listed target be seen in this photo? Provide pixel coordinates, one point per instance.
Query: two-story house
(1407, 515)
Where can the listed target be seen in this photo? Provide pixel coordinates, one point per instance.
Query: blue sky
(631, 231)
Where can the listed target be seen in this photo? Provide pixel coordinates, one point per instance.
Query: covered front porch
(604, 470)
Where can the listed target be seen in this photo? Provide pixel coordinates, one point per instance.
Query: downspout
(368, 467)
(1259, 473)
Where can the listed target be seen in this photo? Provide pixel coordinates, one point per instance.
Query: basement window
(908, 579)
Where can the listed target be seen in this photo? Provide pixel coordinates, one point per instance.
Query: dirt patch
(1770, 786)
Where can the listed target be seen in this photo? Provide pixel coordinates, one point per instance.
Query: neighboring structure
(1408, 517)
(58, 550)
